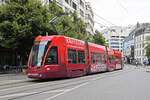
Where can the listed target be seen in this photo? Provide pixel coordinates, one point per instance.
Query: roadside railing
(11, 69)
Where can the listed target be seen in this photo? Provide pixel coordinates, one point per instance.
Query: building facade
(140, 38)
(89, 16)
(128, 42)
(83, 9)
(134, 44)
(2, 2)
(114, 37)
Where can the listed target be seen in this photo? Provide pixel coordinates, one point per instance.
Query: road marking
(63, 92)
(94, 79)
(68, 90)
(22, 86)
(15, 81)
(55, 91)
(13, 95)
(30, 93)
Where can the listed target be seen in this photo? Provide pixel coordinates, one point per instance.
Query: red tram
(60, 56)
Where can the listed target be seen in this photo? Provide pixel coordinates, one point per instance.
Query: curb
(3, 73)
(148, 69)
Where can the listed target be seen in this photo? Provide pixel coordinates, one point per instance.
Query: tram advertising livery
(60, 56)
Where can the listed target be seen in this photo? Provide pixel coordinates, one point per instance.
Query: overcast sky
(121, 12)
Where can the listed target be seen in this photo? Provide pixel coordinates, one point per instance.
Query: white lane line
(23, 94)
(68, 90)
(106, 75)
(94, 79)
(14, 81)
(18, 94)
(55, 91)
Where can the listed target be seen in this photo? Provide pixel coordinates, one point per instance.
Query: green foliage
(70, 26)
(98, 38)
(147, 46)
(25, 67)
(21, 21)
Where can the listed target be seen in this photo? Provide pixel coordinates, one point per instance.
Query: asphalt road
(128, 84)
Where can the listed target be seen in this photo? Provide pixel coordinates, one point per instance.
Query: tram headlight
(40, 75)
(33, 74)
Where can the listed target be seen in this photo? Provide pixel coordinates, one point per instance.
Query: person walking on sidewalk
(136, 63)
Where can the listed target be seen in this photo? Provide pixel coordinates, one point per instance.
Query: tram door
(87, 57)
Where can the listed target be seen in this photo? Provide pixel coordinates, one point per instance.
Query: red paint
(63, 68)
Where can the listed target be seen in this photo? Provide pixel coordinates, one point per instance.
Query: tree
(98, 38)
(69, 25)
(21, 21)
(147, 46)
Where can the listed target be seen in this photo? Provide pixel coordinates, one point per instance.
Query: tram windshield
(38, 52)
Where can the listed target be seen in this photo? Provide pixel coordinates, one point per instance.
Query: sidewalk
(11, 72)
(3, 73)
(148, 68)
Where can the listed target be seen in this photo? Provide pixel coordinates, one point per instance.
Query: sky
(120, 12)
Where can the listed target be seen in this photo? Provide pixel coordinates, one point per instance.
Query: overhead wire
(122, 6)
(104, 19)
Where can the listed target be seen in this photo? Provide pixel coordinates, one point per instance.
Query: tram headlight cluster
(40, 75)
(35, 74)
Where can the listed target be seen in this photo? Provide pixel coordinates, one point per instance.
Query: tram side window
(52, 56)
(98, 58)
(103, 58)
(111, 59)
(81, 57)
(93, 60)
(72, 56)
(118, 59)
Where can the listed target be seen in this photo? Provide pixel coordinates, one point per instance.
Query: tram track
(48, 90)
(19, 83)
(57, 80)
(14, 82)
(61, 85)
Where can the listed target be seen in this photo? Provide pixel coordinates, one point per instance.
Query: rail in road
(25, 88)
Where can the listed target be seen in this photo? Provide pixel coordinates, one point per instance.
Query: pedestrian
(147, 62)
(136, 63)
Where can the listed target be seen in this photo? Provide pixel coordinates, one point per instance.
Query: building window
(139, 52)
(81, 3)
(81, 57)
(140, 45)
(71, 3)
(115, 43)
(114, 46)
(74, 6)
(81, 13)
(67, 1)
(72, 56)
